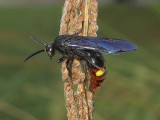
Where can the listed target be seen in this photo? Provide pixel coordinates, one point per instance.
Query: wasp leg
(92, 64)
(68, 65)
(61, 59)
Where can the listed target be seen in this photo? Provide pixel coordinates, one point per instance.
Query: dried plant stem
(78, 15)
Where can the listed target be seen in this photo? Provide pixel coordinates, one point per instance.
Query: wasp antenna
(37, 52)
(36, 39)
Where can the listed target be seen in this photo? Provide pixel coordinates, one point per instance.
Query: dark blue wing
(103, 45)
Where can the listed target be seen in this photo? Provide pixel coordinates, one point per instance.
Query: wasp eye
(50, 49)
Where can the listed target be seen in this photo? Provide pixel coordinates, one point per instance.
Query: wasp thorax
(50, 50)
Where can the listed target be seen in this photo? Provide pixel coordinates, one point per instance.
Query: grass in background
(130, 92)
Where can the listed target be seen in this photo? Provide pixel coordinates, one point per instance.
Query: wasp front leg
(61, 59)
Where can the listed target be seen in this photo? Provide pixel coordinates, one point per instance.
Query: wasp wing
(102, 45)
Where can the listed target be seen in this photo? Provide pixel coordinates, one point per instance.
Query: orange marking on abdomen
(96, 81)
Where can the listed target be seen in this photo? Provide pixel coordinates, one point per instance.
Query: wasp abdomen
(97, 77)
(96, 69)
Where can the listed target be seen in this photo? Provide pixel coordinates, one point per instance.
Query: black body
(86, 48)
(93, 58)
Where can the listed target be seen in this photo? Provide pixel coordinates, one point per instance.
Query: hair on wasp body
(88, 49)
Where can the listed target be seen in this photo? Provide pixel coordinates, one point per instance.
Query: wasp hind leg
(90, 64)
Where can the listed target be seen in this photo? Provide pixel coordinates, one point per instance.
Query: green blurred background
(34, 90)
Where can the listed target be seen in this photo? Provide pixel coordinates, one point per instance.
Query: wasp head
(48, 48)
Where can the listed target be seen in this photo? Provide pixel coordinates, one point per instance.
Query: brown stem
(78, 15)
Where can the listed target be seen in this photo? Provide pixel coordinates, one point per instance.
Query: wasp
(88, 49)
